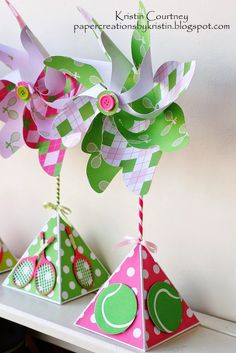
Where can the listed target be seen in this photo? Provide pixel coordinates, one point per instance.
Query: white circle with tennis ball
(115, 308)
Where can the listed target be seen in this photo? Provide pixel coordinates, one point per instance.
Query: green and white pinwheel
(131, 114)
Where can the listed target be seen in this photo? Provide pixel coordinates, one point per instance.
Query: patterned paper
(138, 164)
(76, 117)
(28, 118)
(128, 273)
(139, 271)
(51, 156)
(7, 259)
(143, 120)
(51, 152)
(140, 39)
(61, 254)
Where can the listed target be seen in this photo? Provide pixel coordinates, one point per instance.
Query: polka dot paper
(7, 259)
(61, 254)
(140, 273)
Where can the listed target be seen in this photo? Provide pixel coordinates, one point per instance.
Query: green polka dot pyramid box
(7, 260)
(138, 306)
(58, 265)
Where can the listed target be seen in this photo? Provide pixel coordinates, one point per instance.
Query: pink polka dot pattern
(138, 271)
(129, 274)
(155, 274)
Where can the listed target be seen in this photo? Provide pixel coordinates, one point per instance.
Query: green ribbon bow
(63, 211)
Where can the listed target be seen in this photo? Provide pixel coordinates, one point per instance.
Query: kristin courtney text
(151, 16)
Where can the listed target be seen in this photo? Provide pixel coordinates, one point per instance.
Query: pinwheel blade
(76, 117)
(167, 131)
(30, 130)
(95, 28)
(13, 77)
(36, 55)
(139, 170)
(172, 79)
(32, 41)
(93, 138)
(99, 173)
(145, 82)
(55, 81)
(5, 88)
(15, 59)
(11, 134)
(138, 164)
(121, 66)
(51, 156)
(33, 62)
(51, 153)
(104, 68)
(141, 37)
(16, 14)
(71, 140)
(43, 115)
(86, 74)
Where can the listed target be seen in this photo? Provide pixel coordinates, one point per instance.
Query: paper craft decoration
(29, 267)
(82, 268)
(58, 265)
(128, 117)
(30, 96)
(45, 273)
(138, 306)
(131, 111)
(7, 259)
(46, 269)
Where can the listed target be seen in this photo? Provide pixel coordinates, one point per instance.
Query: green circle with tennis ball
(165, 307)
(116, 308)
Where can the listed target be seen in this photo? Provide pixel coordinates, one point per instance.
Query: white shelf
(54, 323)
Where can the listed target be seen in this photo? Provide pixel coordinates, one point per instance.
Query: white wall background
(190, 211)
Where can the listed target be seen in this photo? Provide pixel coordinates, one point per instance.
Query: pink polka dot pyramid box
(138, 306)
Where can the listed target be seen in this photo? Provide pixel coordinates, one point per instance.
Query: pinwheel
(30, 96)
(133, 117)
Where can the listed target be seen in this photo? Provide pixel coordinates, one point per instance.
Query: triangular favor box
(113, 306)
(7, 260)
(61, 254)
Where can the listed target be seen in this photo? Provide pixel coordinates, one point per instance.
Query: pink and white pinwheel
(30, 96)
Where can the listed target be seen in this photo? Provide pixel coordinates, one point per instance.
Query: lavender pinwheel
(29, 97)
(133, 116)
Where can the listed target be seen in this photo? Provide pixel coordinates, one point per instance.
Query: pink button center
(107, 102)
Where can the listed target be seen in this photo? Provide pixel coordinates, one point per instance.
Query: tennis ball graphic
(115, 308)
(165, 307)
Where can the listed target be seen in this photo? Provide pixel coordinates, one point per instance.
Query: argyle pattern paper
(30, 130)
(172, 78)
(40, 110)
(138, 164)
(51, 156)
(51, 152)
(5, 88)
(76, 117)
